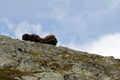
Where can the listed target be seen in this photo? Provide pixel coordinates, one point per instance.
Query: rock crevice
(25, 60)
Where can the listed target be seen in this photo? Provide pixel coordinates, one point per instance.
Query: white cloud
(19, 29)
(75, 15)
(107, 45)
(78, 15)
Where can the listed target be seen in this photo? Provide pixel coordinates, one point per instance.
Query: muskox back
(50, 39)
(35, 38)
(26, 37)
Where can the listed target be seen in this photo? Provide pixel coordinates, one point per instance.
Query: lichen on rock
(25, 60)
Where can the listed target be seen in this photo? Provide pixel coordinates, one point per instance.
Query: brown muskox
(50, 39)
(26, 37)
(35, 38)
(32, 37)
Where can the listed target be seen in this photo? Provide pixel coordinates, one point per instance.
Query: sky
(86, 25)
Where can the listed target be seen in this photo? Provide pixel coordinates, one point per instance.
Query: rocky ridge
(25, 60)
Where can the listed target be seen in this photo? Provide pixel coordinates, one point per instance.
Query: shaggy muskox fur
(32, 37)
(26, 37)
(50, 39)
(35, 38)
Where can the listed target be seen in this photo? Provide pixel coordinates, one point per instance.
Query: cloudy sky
(86, 25)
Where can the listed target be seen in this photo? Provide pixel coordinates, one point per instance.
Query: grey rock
(25, 60)
(45, 76)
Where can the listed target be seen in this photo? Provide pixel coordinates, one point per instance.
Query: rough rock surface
(24, 60)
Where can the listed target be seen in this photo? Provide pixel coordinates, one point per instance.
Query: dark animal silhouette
(50, 39)
(26, 37)
(35, 38)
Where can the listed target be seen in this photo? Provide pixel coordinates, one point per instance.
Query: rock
(45, 76)
(25, 60)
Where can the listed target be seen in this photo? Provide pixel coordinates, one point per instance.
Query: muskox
(50, 39)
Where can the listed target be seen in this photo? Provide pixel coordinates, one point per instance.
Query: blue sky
(87, 25)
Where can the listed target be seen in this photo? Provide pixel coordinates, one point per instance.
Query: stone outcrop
(25, 60)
